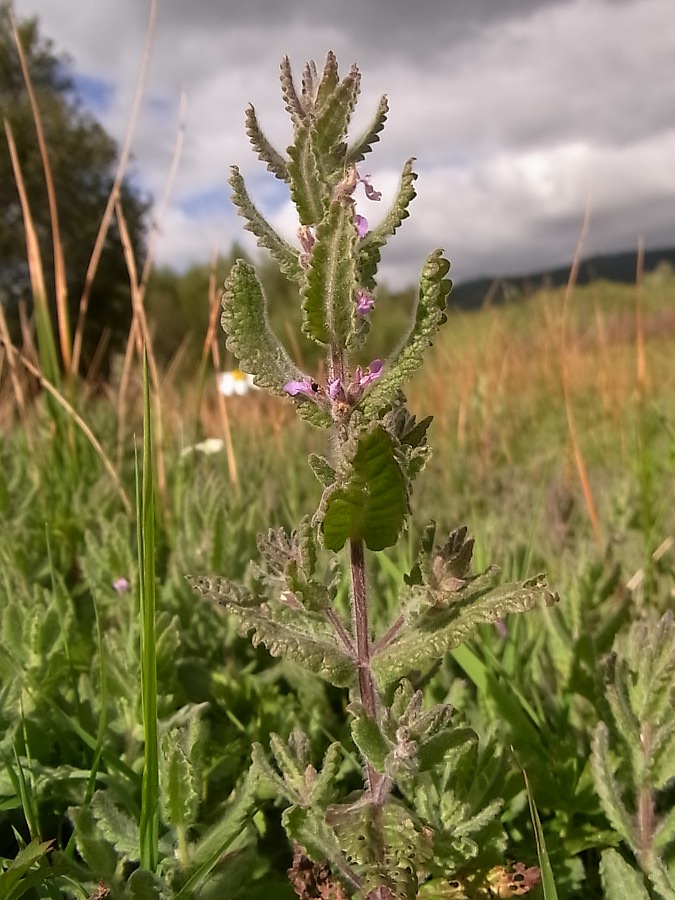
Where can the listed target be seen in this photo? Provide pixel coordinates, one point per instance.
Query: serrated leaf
(249, 335)
(291, 99)
(145, 885)
(323, 786)
(286, 256)
(372, 744)
(371, 245)
(372, 504)
(607, 788)
(266, 152)
(116, 826)
(432, 752)
(308, 191)
(305, 637)
(429, 316)
(364, 143)
(178, 795)
(308, 829)
(620, 881)
(329, 80)
(98, 853)
(323, 470)
(434, 634)
(334, 116)
(328, 292)
(209, 850)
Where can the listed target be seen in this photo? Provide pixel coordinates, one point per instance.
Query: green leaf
(620, 881)
(97, 852)
(547, 879)
(433, 752)
(285, 255)
(329, 81)
(298, 634)
(334, 115)
(329, 289)
(607, 788)
(323, 786)
(318, 841)
(266, 152)
(249, 335)
(323, 470)
(291, 99)
(372, 504)
(179, 795)
(371, 245)
(308, 190)
(429, 316)
(208, 852)
(144, 885)
(372, 744)
(116, 826)
(364, 143)
(14, 881)
(430, 636)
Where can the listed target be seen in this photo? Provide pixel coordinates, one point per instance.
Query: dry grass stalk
(74, 417)
(641, 357)
(15, 379)
(33, 255)
(141, 322)
(59, 264)
(115, 190)
(571, 426)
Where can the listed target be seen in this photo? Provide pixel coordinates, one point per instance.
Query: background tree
(82, 157)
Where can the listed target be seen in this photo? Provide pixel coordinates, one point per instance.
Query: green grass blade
(547, 879)
(145, 517)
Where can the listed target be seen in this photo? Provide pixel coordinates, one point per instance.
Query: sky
(520, 113)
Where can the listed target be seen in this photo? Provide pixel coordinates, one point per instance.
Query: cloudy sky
(518, 112)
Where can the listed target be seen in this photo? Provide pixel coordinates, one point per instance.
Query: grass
(127, 718)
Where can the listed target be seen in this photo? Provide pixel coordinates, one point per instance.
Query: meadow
(553, 435)
(149, 749)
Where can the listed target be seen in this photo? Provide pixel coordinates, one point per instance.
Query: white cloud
(515, 112)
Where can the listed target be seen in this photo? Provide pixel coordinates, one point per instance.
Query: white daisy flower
(235, 382)
(208, 447)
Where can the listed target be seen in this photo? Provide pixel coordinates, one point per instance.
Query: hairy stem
(645, 803)
(375, 782)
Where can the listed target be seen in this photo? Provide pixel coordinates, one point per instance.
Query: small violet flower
(361, 225)
(371, 193)
(364, 303)
(373, 372)
(307, 387)
(121, 585)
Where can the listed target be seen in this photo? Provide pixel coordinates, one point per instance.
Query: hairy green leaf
(298, 634)
(620, 881)
(285, 255)
(372, 502)
(329, 288)
(372, 244)
(179, 795)
(333, 118)
(429, 316)
(291, 99)
(372, 744)
(329, 81)
(116, 826)
(364, 143)
(607, 787)
(266, 152)
(430, 636)
(323, 470)
(249, 335)
(308, 190)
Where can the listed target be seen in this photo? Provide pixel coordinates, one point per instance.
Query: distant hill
(613, 267)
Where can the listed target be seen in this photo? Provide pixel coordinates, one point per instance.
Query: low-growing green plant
(426, 818)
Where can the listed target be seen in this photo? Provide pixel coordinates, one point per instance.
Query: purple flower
(364, 303)
(371, 193)
(361, 225)
(121, 585)
(334, 389)
(374, 370)
(306, 386)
